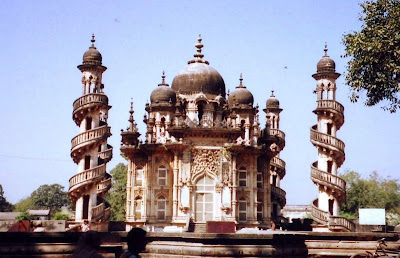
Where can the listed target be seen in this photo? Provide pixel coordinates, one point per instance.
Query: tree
(60, 216)
(374, 51)
(51, 197)
(117, 195)
(24, 205)
(4, 204)
(374, 192)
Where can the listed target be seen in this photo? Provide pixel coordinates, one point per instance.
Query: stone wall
(274, 244)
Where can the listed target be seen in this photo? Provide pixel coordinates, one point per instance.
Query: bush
(24, 216)
(60, 216)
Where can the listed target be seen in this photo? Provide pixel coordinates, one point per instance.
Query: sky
(274, 44)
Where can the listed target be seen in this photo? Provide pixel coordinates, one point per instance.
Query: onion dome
(163, 93)
(272, 102)
(241, 95)
(92, 56)
(199, 76)
(326, 64)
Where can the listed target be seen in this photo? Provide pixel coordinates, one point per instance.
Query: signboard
(372, 217)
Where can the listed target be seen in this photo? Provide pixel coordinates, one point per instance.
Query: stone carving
(274, 147)
(206, 161)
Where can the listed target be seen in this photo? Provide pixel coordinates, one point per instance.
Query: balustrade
(86, 175)
(91, 98)
(319, 214)
(328, 177)
(277, 132)
(327, 139)
(330, 104)
(336, 221)
(278, 162)
(104, 185)
(90, 135)
(98, 211)
(278, 191)
(106, 155)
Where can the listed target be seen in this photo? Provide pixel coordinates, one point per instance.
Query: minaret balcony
(327, 141)
(319, 215)
(90, 136)
(333, 182)
(98, 212)
(87, 177)
(334, 108)
(104, 186)
(88, 102)
(107, 154)
(279, 194)
(278, 133)
(90, 99)
(280, 166)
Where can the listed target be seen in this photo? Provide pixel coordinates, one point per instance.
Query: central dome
(199, 76)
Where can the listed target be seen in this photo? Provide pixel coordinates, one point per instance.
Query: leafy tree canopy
(51, 197)
(24, 205)
(24, 216)
(374, 192)
(4, 204)
(60, 216)
(374, 51)
(117, 195)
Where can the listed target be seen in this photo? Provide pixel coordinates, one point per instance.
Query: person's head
(86, 222)
(137, 240)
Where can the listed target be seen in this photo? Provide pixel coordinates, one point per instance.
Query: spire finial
(163, 79)
(241, 82)
(92, 40)
(326, 49)
(272, 94)
(132, 125)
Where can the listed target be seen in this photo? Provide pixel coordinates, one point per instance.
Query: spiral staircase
(331, 155)
(89, 149)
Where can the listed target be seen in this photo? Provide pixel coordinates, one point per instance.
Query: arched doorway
(204, 208)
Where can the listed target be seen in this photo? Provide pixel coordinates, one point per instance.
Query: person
(88, 245)
(136, 243)
(85, 226)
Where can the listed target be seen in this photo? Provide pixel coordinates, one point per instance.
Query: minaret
(330, 117)
(90, 150)
(277, 165)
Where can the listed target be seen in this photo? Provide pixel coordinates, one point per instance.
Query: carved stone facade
(204, 157)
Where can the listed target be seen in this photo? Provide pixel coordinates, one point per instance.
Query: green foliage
(51, 197)
(24, 216)
(374, 51)
(117, 195)
(4, 204)
(24, 205)
(60, 216)
(347, 215)
(374, 192)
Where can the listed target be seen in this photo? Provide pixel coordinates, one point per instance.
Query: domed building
(204, 156)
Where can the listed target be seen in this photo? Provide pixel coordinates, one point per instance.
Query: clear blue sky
(43, 42)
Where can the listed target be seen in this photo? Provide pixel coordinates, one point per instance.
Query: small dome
(272, 102)
(241, 95)
(326, 64)
(92, 55)
(163, 93)
(199, 76)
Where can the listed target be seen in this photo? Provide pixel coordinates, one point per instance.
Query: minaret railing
(90, 135)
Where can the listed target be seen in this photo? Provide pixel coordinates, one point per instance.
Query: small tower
(90, 150)
(330, 116)
(277, 165)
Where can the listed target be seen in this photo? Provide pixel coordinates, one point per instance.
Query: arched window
(242, 177)
(138, 208)
(162, 176)
(139, 177)
(242, 209)
(161, 207)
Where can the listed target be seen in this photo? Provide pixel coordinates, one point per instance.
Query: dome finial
(326, 49)
(132, 125)
(163, 79)
(241, 82)
(92, 40)
(272, 94)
